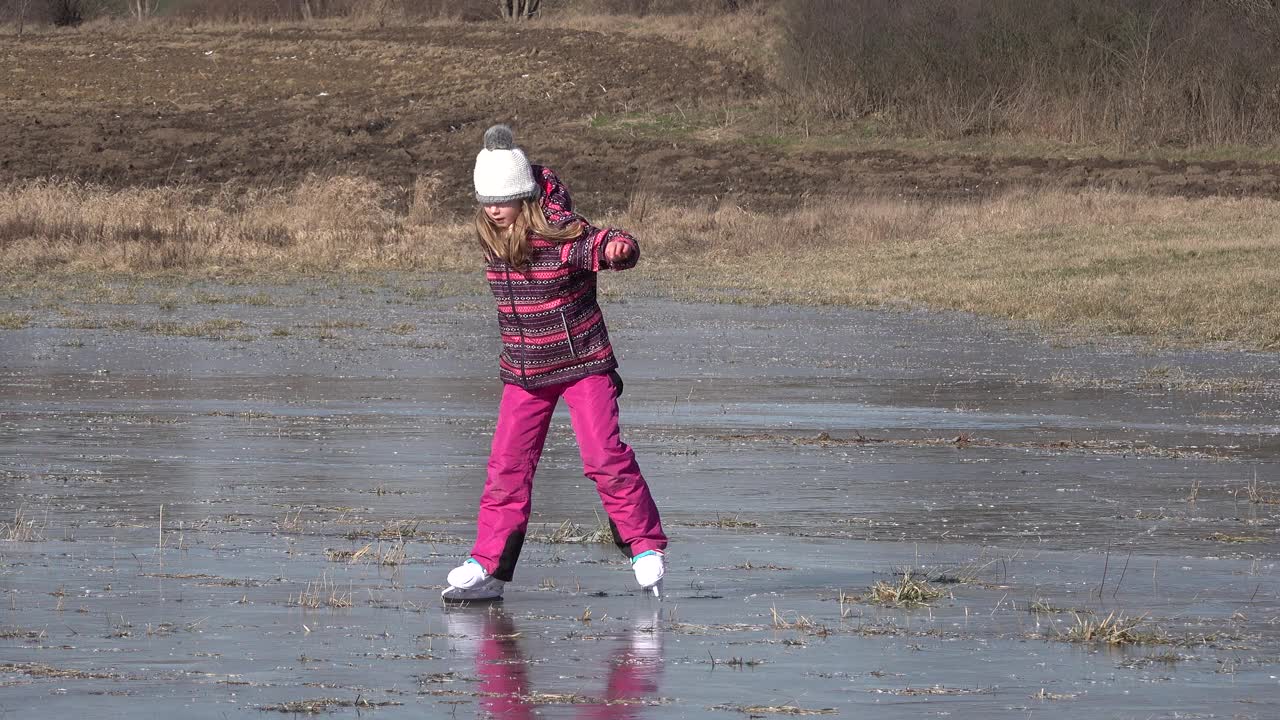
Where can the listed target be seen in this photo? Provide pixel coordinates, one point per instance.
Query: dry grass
(1046, 607)
(1114, 629)
(392, 555)
(748, 565)
(1223, 537)
(933, 690)
(37, 670)
(909, 591)
(1162, 658)
(1259, 494)
(334, 223)
(1201, 271)
(569, 532)
(402, 329)
(13, 633)
(325, 705)
(14, 321)
(1125, 72)
(724, 522)
(322, 593)
(548, 698)
(401, 531)
(757, 710)
(788, 620)
(290, 522)
(23, 528)
(216, 329)
(736, 662)
(1097, 261)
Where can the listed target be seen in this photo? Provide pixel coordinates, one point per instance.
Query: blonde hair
(511, 244)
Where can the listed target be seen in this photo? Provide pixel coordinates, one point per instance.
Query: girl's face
(503, 214)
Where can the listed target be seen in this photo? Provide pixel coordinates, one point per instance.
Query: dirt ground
(263, 106)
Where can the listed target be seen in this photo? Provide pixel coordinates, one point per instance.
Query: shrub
(1141, 71)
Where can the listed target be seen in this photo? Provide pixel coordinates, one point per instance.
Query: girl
(542, 260)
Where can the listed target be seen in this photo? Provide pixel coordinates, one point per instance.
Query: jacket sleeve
(587, 252)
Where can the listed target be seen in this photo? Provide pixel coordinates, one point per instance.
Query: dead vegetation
(1260, 494)
(908, 591)
(965, 440)
(1224, 537)
(401, 531)
(329, 223)
(724, 522)
(569, 532)
(13, 633)
(1114, 629)
(550, 698)
(1161, 658)
(1106, 262)
(789, 620)
(933, 690)
(1120, 72)
(322, 593)
(760, 710)
(23, 528)
(326, 705)
(215, 329)
(391, 555)
(736, 662)
(14, 321)
(38, 670)
(1041, 606)
(749, 566)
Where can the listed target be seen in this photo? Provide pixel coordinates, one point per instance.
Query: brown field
(342, 146)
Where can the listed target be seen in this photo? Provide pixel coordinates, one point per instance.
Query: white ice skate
(649, 568)
(470, 582)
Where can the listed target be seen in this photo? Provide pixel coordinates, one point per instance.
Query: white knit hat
(502, 171)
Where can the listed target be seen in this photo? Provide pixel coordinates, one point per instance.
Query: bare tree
(142, 9)
(22, 15)
(518, 9)
(312, 9)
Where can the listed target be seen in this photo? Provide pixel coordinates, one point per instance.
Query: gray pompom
(499, 137)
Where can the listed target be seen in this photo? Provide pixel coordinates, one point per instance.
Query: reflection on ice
(633, 670)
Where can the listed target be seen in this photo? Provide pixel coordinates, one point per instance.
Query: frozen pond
(227, 501)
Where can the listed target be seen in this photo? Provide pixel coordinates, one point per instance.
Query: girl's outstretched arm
(598, 248)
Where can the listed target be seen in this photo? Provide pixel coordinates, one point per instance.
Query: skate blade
(465, 597)
(656, 589)
(470, 601)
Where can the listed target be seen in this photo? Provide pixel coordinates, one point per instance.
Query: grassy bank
(1196, 271)
(1174, 269)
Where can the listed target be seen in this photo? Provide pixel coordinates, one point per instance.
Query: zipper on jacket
(568, 336)
(511, 296)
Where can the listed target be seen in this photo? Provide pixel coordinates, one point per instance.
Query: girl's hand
(617, 251)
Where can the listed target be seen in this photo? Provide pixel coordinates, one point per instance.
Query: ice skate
(649, 568)
(469, 582)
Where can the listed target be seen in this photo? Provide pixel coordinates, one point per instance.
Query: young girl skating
(541, 263)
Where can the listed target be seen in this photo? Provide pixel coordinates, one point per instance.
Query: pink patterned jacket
(553, 330)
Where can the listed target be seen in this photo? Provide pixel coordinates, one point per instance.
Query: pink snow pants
(523, 419)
